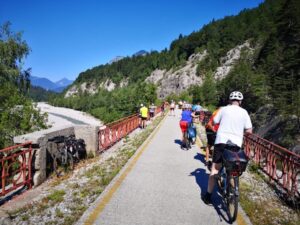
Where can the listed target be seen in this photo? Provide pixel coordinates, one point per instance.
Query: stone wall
(41, 147)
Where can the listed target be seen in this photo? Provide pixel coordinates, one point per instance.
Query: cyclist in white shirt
(234, 121)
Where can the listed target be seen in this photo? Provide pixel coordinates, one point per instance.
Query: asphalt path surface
(163, 187)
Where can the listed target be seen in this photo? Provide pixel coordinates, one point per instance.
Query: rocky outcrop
(108, 85)
(283, 131)
(176, 81)
(231, 58)
(156, 76)
(91, 88)
(85, 87)
(123, 83)
(72, 91)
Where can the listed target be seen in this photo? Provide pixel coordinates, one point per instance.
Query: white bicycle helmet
(236, 95)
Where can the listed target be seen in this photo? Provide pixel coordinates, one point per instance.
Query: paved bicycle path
(162, 186)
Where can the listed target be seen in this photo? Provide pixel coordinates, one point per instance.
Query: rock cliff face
(90, 88)
(270, 125)
(228, 61)
(176, 81)
(108, 85)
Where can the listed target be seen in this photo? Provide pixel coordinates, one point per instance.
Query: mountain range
(47, 84)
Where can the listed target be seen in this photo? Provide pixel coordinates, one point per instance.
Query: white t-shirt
(233, 121)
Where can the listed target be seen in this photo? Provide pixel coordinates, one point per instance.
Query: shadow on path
(12, 195)
(201, 177)
(177, 141)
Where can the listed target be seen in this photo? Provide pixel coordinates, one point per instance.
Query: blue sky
(67, 37)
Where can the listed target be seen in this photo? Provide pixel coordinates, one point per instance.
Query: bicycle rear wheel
(70, 162)
(232, 198)
(188, 143)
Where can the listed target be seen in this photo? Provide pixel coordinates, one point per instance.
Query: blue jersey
(186, 115)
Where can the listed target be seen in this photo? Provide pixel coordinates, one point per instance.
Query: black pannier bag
(235, 159)
(80, 145)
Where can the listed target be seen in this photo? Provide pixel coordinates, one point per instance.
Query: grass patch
(59, 213)
(25, 217)
(265, 211)
(56, 196)
(69, 220)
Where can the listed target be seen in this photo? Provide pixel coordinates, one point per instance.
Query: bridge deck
(162, 184)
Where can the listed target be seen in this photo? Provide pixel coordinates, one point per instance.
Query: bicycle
(234, 164)
(186, 140)
(189, 136)
(69, 150)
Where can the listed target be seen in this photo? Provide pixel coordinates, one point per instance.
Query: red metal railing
(280, 164)
(113, 132)
(15, 167)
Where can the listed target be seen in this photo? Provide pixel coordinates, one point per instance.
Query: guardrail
(15, 167)
(280, 164)
(113, 132)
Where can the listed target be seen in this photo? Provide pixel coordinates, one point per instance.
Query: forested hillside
(267, 76)
(17, 114)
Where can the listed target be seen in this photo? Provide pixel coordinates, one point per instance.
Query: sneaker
(207, 198)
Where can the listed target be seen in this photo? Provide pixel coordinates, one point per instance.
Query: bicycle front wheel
(232, 198)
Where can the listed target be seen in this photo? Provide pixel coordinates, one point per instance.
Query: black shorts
(144, 118)
(217, 153)
(151, 114)
(211, 137)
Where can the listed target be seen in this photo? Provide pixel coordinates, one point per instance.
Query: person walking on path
(234, 122)
(172, 108)
(144, 115)
(211, 131)
(163, 108)
(152, 108)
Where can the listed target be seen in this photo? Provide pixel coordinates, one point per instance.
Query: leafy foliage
(110, 106)
(17, 113)
(39, 94)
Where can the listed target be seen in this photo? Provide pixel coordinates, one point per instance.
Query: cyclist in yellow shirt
(144, 115)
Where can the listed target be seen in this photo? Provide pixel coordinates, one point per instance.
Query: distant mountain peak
(116, 59)
(63, 82)
(47, 84)
(140, 53)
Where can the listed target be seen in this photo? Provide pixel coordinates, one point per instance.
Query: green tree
(209, 90)
(17, 113)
